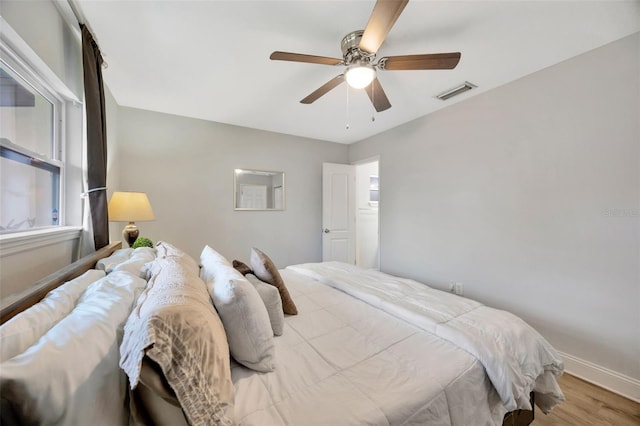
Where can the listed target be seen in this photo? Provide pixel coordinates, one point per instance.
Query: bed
(364, 348)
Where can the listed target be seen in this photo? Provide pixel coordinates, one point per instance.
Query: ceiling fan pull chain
(348, 126)
(373, 96)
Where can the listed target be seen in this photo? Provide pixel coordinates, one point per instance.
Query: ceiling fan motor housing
(351, 50)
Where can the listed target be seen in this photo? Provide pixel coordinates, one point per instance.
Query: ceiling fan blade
(434, 61)
(384, 15)
(334, 82)
(298, 57)
(378, 97)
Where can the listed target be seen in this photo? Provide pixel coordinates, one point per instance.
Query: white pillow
(71, 375)
(213, 256)
(271, 298)
(244, 315)
(117, 257)
(23, 330)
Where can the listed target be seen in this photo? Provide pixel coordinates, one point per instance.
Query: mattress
(341, 361)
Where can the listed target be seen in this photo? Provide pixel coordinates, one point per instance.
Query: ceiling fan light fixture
(359, 76)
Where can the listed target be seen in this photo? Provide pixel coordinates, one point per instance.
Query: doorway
(350, 213)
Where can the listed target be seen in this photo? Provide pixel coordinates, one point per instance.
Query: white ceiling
(210, 59)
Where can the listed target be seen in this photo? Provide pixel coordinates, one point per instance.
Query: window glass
(30, 192)
(30, 171)
(26, 117)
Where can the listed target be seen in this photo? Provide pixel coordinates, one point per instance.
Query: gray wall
(529, 195)
(186, 166)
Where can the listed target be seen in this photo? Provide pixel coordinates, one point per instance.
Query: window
(30, 151)
(374, 192)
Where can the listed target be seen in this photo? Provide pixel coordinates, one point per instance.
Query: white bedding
(341, 361)
(23, 330)
(516, 358)
(365, 348)
(70, 376)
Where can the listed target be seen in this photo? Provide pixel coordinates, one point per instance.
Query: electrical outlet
(458, 289)
(452, 288)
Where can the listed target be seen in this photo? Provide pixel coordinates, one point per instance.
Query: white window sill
(23, 241)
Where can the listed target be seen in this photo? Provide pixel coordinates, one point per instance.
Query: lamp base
(130, 233)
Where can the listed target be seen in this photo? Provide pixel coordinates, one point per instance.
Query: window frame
(35, 79)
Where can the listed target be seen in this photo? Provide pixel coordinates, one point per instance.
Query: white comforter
(341, 361)
(516, 358)
(70, 375)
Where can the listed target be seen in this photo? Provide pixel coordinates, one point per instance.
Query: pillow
(214, 256)
(271, 298)
(74, 364)
(244, 316)
(28, 326)
(117, 257)
(175, 325)
(265, 269)
(242, 267)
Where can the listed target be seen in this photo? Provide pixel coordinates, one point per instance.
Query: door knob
(326, 230)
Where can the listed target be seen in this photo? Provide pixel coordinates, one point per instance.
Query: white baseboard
(603, 377)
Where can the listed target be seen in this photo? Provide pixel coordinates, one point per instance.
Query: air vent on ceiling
(456, 91)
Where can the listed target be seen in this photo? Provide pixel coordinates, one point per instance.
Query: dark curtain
(96, 138)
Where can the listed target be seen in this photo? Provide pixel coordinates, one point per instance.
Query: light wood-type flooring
(587, 404)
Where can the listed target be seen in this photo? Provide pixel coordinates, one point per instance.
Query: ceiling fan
(359, 53)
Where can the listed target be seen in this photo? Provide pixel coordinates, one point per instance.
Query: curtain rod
(72, 13)
(76, 12)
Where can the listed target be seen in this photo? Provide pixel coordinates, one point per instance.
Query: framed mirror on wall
(258, 190)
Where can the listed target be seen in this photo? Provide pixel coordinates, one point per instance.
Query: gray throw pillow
(271, 298)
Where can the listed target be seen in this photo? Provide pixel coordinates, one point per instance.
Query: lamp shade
(130, 207)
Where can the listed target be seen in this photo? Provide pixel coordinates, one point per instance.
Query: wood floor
(587, 404)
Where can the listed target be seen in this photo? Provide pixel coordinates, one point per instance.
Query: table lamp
(130, 207)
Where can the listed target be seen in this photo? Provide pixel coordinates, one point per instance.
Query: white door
(338, 212)
(253, 196)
